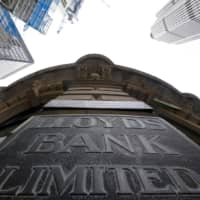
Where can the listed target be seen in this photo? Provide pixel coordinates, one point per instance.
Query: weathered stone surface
(37, 89)
(99, 157)
(97, 137)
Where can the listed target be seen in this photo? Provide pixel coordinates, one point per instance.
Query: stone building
(96, 130)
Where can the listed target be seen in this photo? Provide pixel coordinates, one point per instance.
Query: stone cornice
(38, 88)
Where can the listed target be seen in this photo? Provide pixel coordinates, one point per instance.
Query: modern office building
(73, 8)
(70, 10)
(37, 14)
(177, 22)
(14, 54)
(96, 130)
(8, 4)
(21, 9)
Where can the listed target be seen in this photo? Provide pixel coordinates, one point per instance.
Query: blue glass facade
(40, 18)
(12, 46)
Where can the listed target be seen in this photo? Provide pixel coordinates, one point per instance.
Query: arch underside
(33, 91)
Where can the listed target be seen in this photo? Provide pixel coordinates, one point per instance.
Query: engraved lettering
(32, 186)
(6, 175)
(55, 143)
(60, 122)
(110, 140)
(53, 122)
(153, 181)
(85, 122)
(123, 186)
(108, 123)
(81, 141)
(133, 123)
(57, 179)
(99, 157)
(154, 124)
(54, 180)
(152, 145)
(98, 187)
(46, 143)
(186, 179)
(77, 178)
(44, 179)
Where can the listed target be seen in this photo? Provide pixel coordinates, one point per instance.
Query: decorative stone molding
(94, 71)
(36, 89)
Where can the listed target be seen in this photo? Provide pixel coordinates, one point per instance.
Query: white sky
(122, 33)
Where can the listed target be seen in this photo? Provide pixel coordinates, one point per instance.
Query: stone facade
(97, 72)
(96, 130)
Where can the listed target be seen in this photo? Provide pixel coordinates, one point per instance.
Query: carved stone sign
(99, 157)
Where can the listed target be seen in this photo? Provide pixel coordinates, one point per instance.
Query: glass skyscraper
(177, 22)
(13, 52)
(37, 14)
